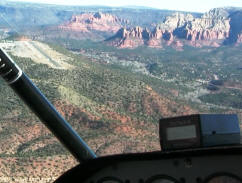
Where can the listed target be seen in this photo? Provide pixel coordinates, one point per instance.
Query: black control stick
(46, 112)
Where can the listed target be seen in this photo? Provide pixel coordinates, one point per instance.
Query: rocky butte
(217, 27)
(211, 29)
(92, 22)
(129, 38)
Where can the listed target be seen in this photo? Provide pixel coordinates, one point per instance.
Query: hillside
(115, 111)
(114, 108)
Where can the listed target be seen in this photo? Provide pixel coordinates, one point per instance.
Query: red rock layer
(89, 21)
(239, 39)
(211, 29)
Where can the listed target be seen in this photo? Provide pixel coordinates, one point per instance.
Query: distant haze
(182, 5)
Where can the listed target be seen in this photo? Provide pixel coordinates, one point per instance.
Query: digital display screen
(181, 132)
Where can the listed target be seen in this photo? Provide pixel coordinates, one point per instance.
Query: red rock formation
(194, 35)
(130, 38)
(239, 39)
(92, 21)
(199, 44)
(154, 43)
(211, 29)
(205, 31)
(211, 26)
(130, 43)
(155, 39)
(136, 32)
(157, 33)
(178, 45)
(160, 36)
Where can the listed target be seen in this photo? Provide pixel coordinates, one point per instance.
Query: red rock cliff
(130, 38)
(93, 21)
(211, 29)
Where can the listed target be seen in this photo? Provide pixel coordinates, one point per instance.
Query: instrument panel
(195, 166)
(171, 171)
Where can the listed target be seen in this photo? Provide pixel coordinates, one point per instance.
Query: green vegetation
(48, 150)
(110, 87)
(165, 69)
(230, 98)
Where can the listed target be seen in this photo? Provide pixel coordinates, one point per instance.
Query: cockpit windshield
(113, 69)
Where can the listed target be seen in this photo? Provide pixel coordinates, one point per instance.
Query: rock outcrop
(211, 29)
(217, 27)
(93, 22)
(239, 39)
(130, 38)
(235, 28)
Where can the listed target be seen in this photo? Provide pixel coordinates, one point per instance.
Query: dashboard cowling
(191, 165)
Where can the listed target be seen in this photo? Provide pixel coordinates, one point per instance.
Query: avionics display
(201, 130)
(181, 132)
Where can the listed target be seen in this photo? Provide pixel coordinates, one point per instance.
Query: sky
(183, 5)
